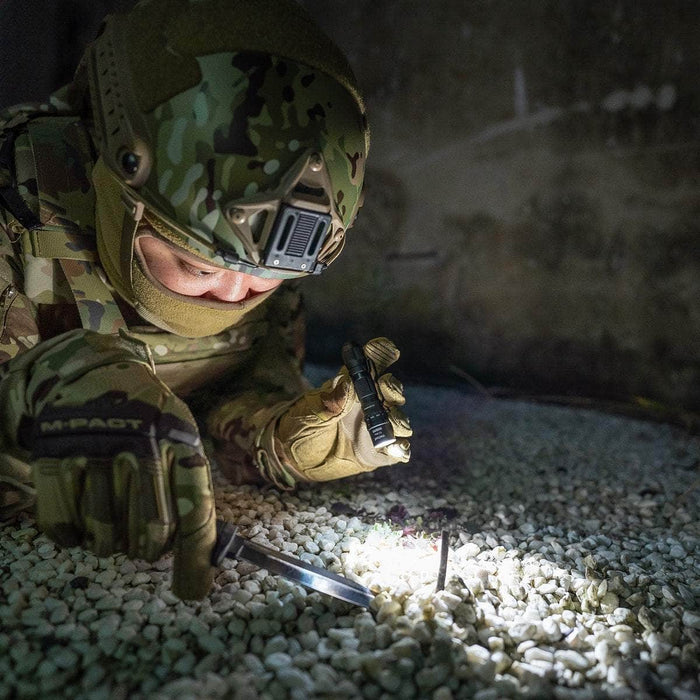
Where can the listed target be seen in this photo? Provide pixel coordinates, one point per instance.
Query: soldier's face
(185, 274)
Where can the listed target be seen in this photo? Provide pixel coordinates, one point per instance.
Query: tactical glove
(321, 435)
(118, 463)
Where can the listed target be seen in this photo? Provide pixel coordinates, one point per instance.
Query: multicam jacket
(51, 282)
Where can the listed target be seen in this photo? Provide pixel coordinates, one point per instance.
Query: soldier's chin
(250, 294)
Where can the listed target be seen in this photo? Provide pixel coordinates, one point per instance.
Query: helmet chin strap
(134, 210)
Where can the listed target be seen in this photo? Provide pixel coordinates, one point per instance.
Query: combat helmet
(234, 128)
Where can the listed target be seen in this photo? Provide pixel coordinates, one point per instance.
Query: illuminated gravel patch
(573, 573)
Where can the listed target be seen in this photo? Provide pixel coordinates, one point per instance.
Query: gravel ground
(573, 573)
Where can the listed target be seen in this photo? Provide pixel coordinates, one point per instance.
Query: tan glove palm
(323, 435)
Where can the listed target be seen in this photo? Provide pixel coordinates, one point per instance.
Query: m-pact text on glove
(90, 424)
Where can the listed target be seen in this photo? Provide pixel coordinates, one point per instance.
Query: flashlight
(376, 417)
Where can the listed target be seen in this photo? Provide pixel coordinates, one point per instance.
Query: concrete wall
(532, 205)
(533, 192)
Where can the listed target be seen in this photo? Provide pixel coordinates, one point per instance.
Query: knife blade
(229, 544)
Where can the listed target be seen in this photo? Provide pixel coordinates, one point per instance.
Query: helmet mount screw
(237, 216)
(315, 162)
(130, 162)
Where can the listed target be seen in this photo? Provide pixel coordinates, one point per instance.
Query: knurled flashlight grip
(376, 417)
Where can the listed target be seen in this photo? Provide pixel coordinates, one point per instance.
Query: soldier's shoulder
(65, 101)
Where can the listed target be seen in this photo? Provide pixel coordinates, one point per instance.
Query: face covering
(190, 317)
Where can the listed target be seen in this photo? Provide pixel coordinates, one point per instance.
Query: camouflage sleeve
(18, 315)
(19, 324)
(239, 423)
(18, 333)
(19, 330)
(66, 100)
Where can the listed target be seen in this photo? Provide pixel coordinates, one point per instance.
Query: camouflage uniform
(244, 149)
(41, 295)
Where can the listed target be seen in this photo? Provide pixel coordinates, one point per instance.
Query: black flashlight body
(376, 417)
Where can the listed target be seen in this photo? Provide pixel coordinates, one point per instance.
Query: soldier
(154, 217)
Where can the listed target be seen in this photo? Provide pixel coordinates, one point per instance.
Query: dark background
(531, 218)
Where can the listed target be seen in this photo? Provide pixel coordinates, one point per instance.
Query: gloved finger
(103, 532)
(144, 508)
(391, 389)
(382, 352)
(399, 422)
(399, 450)
(332, 400)
(59, 484)
(341, 400)
(195, 536)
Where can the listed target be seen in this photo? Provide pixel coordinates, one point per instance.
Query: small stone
(432, 676)
(46, 550)
(502, 661)
(108, 644)
(677, 552)
(469, 550)
(538, 654)
(168, 597)
(305, 659)
(572, 659)
(46, 669)
(108, 602)
(477, 654)
(105, 578)
(151, 632)
(295, 679)
(277, 661)
(691, 619)
(64, 657)
(406, 647)
(388, 610)
(185, 663)
(608, 602)
(27, 663)
(128, 567)
(551, 630)
(126, 633)
(603, 653)
(496, 643)
(648, 619)
(621, 616)
(173, 647)
(522, 631)
(93, 675)
(442, 693)
(59, 615)
(389, 680)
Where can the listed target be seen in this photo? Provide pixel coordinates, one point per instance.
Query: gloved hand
(322, 435)
(118, 463)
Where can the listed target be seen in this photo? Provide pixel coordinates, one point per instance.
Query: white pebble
(572, 659)
(522, 631)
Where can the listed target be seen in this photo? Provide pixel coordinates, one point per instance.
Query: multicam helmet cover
(247, 147)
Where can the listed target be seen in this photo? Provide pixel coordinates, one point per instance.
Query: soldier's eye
(194, 271)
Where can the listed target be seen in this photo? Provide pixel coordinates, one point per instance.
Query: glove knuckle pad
(382, 352)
